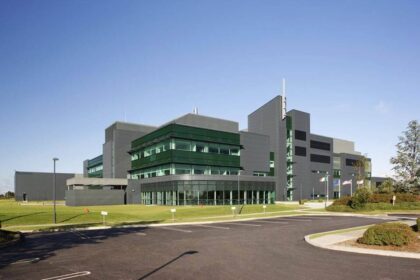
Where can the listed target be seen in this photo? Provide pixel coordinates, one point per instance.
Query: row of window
(178, 169)
(184, 145)
(301, 135)
(95, 169)
(320, 145)
(260, 174)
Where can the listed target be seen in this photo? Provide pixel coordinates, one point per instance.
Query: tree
(407, 161)
(360, 198)
(387, 186)
(9, 194)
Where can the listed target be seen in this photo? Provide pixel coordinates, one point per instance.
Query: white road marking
(299, 220)
(140, 233)
(242, 224)
(176, 229)
(271, 222)
(209, 226)
(318, 218)
(68, 276)
(26, 261)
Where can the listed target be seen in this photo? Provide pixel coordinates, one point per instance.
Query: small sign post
(264, 207)
(233, 210)
(173, 210)
(393, 200)
(104, 213)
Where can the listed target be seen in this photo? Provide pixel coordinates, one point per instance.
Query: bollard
(173, 210)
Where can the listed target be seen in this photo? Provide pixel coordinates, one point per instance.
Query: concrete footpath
(334, 241)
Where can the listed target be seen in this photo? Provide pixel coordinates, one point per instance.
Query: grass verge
(19, 216)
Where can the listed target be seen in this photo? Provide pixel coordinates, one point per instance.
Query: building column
(215, 198)
(230, 197)
(245, 197)
(264, 197)
(185, 198)
(174, 197)
(258, 197)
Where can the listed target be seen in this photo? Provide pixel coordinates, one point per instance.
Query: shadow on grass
(71, 218)
(43, 245)
(21, 216)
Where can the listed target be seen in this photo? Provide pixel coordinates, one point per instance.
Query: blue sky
(68, 69)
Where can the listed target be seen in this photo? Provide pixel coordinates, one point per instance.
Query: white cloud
(381, 107)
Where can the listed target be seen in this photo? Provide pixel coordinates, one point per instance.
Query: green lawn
(19, 216)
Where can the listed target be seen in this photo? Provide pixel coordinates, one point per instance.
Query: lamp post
(239, 190)
(55, 214)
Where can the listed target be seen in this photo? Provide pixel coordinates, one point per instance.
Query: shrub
(345, 200)
(360, 198)
(406, 197)
(396, 234)
(340, 208)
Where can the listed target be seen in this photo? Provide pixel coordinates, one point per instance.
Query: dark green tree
(407, 161)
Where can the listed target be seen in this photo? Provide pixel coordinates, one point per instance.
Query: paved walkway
(333, 241)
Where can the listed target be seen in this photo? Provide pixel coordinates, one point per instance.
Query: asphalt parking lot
(258, 249)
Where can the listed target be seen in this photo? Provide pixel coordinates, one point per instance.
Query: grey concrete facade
(94, 197)
(201, 121)
(38, 186)
(267, 120)
(118, 138)
(255, 153)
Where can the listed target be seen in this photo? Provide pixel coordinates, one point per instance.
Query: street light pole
(55, 214)
(239, 190)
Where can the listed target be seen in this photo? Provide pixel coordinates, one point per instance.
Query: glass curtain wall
(207, 193)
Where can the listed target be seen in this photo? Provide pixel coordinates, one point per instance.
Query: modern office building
(115, 160)
(302, 159)
(195, 159)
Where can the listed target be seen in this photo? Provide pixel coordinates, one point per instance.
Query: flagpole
(339, 189)
(351, 188)
(327, 190)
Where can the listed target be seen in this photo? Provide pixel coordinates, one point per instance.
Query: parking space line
(298, 220)
(210, 226)
(26, 261)
(81, 235)
(318, 218)
(175, 229)
(68, 276)
(271, 222)
(242, 224)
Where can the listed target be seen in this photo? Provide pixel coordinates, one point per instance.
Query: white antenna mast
(283, 102)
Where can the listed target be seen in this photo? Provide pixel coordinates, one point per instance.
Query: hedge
(396, 234)
(375, 206)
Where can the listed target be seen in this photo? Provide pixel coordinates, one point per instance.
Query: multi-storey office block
(115, 160)
(196, 160)
(306, 165)
(93, 168)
